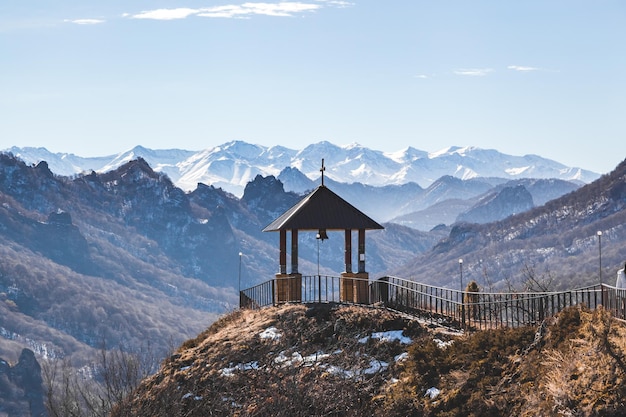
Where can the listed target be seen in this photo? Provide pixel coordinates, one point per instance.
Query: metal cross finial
(322, 169)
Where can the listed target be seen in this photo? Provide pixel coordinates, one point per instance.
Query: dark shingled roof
(322, 209)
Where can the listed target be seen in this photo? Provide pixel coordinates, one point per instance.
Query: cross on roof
(322, 169)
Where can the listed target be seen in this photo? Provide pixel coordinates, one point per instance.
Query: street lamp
(318, 237)
(239, 281)
(600, 254)
(462, 301)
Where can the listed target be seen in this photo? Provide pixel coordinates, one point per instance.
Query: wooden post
(294, 251)
(361, 250)
(283, 252)
(348, 250)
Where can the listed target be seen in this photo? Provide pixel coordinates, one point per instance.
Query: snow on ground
(190, 395)
(317, 359)
(432, 393)
(441, 344)
(296, 358)
(388, 336)
(270, 333)
(240, 367)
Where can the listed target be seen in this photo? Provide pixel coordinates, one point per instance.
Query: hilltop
(297, 360)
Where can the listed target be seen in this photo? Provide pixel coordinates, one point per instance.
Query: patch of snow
(184, 368)
(401, 357)
(441, 344)
(335, 370)
(190, 395)
(271, 333)
(432, 392)
(389, 336)
(375, 367)
(296, 358)
(239, 367)
(517, 171)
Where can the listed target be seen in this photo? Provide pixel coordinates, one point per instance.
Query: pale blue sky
(534, 76)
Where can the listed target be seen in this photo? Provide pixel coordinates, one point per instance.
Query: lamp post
(462, 301)
(318, 237)
(239, 280)
(600, 255)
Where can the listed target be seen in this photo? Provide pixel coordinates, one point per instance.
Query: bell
(322, 234)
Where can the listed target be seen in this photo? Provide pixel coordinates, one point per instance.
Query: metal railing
(321, 289)
(489, 310)
(314, 289)
(480, 310)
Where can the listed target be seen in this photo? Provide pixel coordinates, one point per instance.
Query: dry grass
(575, 368)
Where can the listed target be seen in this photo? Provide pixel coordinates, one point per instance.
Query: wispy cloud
(165, 14)
(337, 3)
(522, 68)
(85, 21)
(242, 11)
(474, 72)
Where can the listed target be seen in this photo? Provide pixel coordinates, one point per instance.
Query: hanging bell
(322, 234)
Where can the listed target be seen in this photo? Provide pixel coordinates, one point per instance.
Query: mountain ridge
(233, 164)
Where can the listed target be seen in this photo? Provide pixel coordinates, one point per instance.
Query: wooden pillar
(361, 250)
(294, 251)
(348, 250)
(283, 252)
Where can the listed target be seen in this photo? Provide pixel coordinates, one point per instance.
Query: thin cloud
(245, 10)
(85, 21)
(474, 72)
(166, 14)
(338, 3)
(522, 68)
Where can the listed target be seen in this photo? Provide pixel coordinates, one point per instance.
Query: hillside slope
(556, 242)
(298, 360)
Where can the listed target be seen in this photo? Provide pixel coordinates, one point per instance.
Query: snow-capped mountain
(232, 165)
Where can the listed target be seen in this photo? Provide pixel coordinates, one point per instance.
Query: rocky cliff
(21, 387)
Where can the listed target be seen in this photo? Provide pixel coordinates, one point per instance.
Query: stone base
(354, 287)
(288, 288)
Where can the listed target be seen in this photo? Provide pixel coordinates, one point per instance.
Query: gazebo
(322, 210)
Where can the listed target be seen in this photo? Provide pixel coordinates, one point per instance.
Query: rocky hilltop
(21, 387)
(297, 360)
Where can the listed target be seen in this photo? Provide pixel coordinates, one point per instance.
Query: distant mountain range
(232, 165)
(124, 255)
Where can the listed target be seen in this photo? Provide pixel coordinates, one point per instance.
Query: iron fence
(480, 310)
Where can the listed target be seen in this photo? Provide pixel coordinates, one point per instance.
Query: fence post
(384, 290)
(319, 288)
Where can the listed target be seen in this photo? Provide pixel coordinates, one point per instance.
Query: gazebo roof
(322, 209)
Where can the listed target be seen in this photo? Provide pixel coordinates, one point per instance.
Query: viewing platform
(323, 210)
(454, 308)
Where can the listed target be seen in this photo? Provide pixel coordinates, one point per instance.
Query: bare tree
(93, 391)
